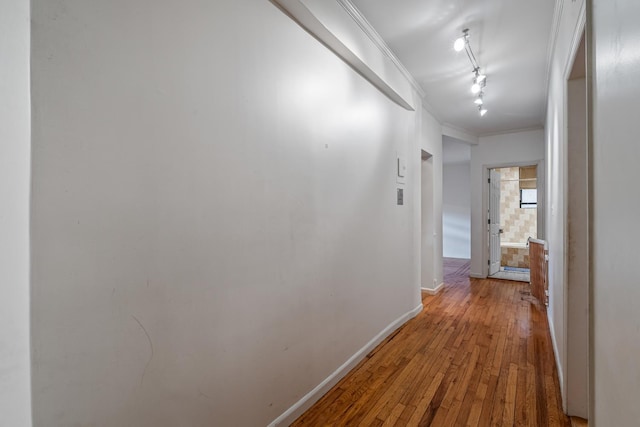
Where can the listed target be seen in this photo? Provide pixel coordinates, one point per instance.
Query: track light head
(461, 42)
(483, 110)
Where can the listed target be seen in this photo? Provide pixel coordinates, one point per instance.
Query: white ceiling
(509, 38)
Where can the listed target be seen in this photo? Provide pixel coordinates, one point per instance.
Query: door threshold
(516, 276)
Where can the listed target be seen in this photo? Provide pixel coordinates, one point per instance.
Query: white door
(495, 253)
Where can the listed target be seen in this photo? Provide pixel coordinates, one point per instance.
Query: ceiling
(509, 38)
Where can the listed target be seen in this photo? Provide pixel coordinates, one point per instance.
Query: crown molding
(327, 21)
(426, 106)
(551, 48)
(576, 37)
(509, 131)
(459, 133)
(553, 41)
(379, 42)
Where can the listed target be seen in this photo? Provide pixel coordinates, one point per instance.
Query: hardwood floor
(479, 354)
(579, 422)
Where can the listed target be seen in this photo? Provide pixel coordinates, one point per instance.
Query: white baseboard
(478, 276)
(559, 366)
(433, 291)
(314, 395)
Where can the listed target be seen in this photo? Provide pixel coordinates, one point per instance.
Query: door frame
(494, 181)
(541, 186)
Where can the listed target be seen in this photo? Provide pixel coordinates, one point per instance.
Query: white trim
(314, 395)
(542, 199)
(556, 356)
(426, 106)
(578, 31)
(508, 131)
(477, 276)
(459, 133)
(435, 291)
(576, 38)
(553, 41)
(551, 49)
(538, 241)
(391, 81)
(375, 37)
(462, 134)
(16, 173)
(540, 163)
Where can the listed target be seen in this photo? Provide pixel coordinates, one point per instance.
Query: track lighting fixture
(479, 79)
(461, 42)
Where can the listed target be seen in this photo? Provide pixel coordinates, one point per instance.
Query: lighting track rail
(479, 79)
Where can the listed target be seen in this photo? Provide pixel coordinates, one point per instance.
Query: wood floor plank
(362, 407)
(479, 354)
(487, 403)
(405, 416)
(531, 398)
(422, 409)
(579, 422)
(508, 416)
(476, 406)
(393, 416)
(499, 399)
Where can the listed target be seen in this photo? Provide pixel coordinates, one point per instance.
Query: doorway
(513, 220)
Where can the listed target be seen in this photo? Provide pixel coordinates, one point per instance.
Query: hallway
(479, 354)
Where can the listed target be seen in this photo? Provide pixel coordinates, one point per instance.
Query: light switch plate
(402, 167)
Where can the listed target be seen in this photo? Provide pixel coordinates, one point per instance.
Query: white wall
(431, 187)
(616, 289)
(567, 40)
(15, 388)
(456, 211)
(215, 228)
(511, 149)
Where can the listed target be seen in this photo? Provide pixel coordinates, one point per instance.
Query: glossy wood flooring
(479, 354)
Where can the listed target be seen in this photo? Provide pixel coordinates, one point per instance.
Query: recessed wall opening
(577, 240)
(427, 240)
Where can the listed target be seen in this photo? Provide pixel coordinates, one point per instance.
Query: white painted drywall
(215, 227)
(616, 210)
(361, 49)
(511, 149)
(431, 188)
(566, 41)
(15, 130)
(456, 211)
(577, 251)
(456, 203)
